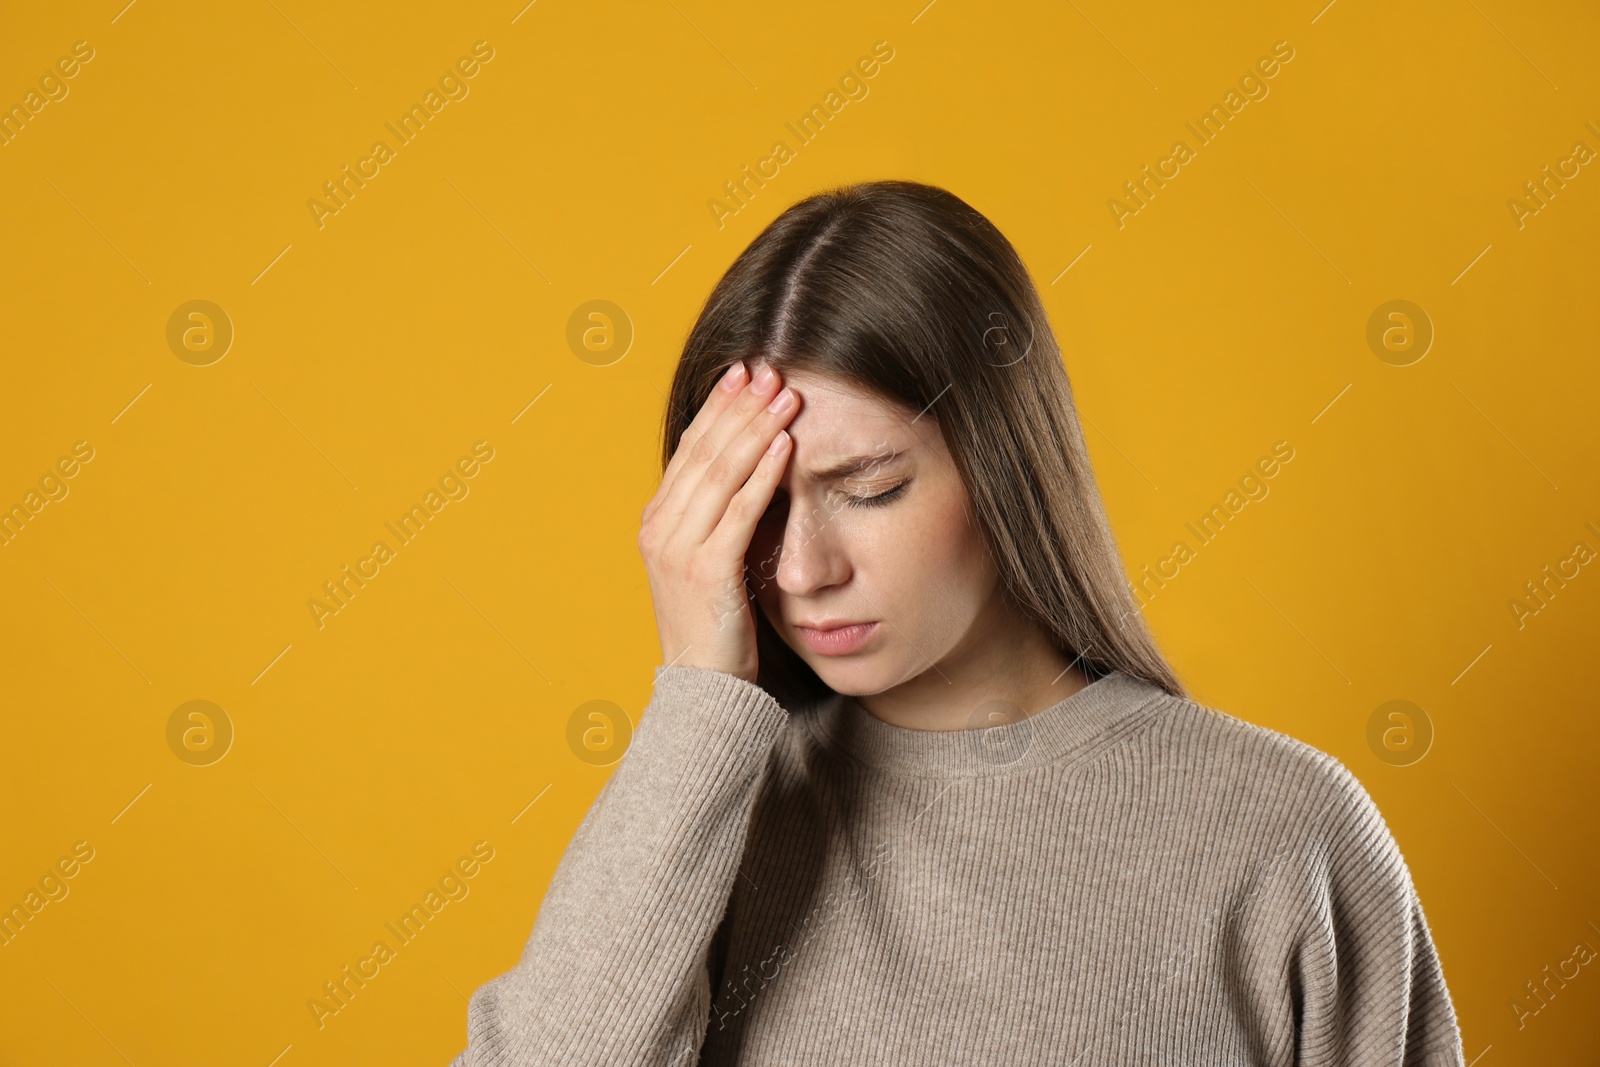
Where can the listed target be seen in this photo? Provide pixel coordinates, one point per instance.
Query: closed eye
(884, 498)
(880, 500)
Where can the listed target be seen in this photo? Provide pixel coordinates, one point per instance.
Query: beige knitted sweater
(1124, 878)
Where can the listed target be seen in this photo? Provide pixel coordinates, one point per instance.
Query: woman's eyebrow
(854, 465)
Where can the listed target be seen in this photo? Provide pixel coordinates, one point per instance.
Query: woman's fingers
(738, 526)
(698, 527)
(738, 438)
(722, 395)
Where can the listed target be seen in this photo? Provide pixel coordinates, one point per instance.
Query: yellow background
(372, 352)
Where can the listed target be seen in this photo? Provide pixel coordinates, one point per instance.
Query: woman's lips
(839, 641)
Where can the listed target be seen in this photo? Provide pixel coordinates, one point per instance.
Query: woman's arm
(615, 971)
(1366, 983)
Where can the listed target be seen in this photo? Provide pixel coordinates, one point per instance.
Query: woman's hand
(696, 530)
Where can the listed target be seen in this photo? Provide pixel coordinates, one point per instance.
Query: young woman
(915, 785)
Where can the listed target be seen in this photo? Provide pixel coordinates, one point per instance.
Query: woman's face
(889, 543)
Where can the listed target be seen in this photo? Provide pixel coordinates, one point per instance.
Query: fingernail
(734, 377)
(782, 402)
(766, 377)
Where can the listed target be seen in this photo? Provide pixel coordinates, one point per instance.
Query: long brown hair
(909, 293)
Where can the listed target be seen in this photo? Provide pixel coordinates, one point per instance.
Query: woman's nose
(808, 556)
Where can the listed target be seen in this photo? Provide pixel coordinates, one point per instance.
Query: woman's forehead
(828, 431)
(841, 425)
(827, 403)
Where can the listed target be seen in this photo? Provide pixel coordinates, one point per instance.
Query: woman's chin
(860, 675)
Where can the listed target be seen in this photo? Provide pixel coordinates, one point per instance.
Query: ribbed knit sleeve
(615, 970)
(1365, 979)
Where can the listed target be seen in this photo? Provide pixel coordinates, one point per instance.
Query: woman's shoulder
(1311, 790)
(1228, 735)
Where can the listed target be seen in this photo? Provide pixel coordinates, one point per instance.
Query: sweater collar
(1065, 732)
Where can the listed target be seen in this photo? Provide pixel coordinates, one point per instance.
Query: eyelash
(881, 500)
(877, 501)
